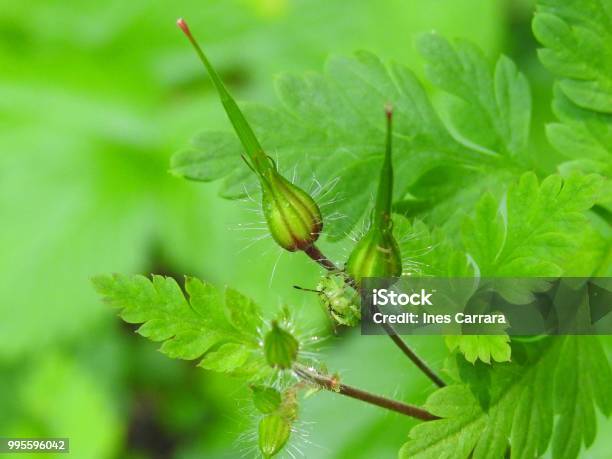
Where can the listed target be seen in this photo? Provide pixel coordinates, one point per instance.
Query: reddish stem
(333, 385)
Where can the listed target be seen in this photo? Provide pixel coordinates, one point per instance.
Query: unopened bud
(377, 253)
(293, 217)
(274, 431)
(280, 347)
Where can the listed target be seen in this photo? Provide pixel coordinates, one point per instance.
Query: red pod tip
(183, 26)
(389, 110)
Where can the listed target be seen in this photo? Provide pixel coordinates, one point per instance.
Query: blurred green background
(94, 98)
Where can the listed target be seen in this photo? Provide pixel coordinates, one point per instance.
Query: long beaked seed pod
(377, 254)
(293, 217)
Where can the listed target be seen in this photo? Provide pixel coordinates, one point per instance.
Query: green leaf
(520, 408)
(582, 380)
(427, 252)
(583, 135)
(577, 36)
(493, 108)
(532, 231)
(483, 347)
(244, 314)
(488, 109)
(222, 330)
(227, 358)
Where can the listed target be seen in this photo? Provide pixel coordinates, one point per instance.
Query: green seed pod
(280, 347)
(274, 431)
(266, 399)
(377, 254)
(293, 217)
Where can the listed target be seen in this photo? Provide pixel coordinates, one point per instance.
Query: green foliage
(535, 387)
(582, 381)
(463, 167)
(493, 107)
(576, 36)
(532, 231)
(429, 252)
(84, 191)
(481, 347)
(223, 329)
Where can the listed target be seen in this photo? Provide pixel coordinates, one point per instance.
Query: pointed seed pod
(293, 217)
(377, 253)
(266, 399)
(274, 431)
(280, 347)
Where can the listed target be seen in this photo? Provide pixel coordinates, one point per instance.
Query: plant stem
(419, 362)
(314, 253)
(333, 385)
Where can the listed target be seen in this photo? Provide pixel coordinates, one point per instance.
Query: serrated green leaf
(244, 314)
(582, 380)
(494, 106)
(205, 166)
(577, 35)
(227, 358)
(222, 330)
(482, 347)
(584, 136)
(534, 229)
(427, 252)
(519, 415)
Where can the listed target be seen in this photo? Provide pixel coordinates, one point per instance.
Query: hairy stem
(333, 385)
(314, 253)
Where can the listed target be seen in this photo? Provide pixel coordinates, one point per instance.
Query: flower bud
(280, 347)
(293, 217)
(274, 431)
(266, 399)
(377, 253)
